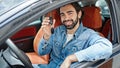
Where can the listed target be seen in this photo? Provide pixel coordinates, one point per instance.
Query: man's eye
(70, 13)
(61, 14)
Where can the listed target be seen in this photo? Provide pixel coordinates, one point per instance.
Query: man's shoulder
(89, 31)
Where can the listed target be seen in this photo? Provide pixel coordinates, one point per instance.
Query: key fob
(52, 30)
(51, 22)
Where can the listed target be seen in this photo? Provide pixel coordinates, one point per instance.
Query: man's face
(69, 16)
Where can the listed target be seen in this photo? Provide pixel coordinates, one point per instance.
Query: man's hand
(46, 27)
(67, 62)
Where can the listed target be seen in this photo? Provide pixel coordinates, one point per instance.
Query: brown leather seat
(91, 19)
(107, 30)
(34, 57)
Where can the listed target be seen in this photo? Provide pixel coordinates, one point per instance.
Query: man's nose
(66, 17)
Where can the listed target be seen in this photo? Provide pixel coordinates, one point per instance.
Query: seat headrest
(92, 17)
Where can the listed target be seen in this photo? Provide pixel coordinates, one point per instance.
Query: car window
(118, 3)
(104, 8)
(38, 21)
(8, 4)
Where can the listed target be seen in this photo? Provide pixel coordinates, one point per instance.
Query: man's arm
(99, 49)
(44, 47)
(45, 42)
(67, 62)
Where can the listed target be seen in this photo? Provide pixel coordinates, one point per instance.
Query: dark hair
(75, 5)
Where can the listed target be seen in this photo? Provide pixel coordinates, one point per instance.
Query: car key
(51, 22)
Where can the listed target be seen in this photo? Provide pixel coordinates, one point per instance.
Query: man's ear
(79, 14)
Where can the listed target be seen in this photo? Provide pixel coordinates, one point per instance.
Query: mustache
(67, 20)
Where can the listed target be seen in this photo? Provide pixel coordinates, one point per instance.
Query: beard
(73, 23)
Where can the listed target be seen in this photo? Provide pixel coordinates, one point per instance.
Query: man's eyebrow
(67, 12)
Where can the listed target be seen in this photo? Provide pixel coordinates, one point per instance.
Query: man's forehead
(66, 7)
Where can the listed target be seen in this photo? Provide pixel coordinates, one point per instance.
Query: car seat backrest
(107, 30)
(92, 17)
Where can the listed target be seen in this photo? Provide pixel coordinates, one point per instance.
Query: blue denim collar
(79, 30)
(77, 33)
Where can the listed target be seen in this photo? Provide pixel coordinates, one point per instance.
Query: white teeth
(68, 23)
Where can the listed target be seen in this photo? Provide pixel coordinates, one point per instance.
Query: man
(71, 42)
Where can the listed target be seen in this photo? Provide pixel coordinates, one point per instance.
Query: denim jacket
(86, 44)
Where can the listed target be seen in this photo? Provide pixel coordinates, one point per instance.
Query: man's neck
(72, 31)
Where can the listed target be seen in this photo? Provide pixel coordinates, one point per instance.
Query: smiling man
(71, 42)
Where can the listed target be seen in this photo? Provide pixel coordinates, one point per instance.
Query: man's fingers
(45, 22)
(45, 29)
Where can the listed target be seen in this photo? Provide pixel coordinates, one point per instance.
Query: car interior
(28, 38)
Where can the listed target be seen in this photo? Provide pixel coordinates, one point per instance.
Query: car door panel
(24, 38)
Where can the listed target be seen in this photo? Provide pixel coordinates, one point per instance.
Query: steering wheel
(21, 55)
